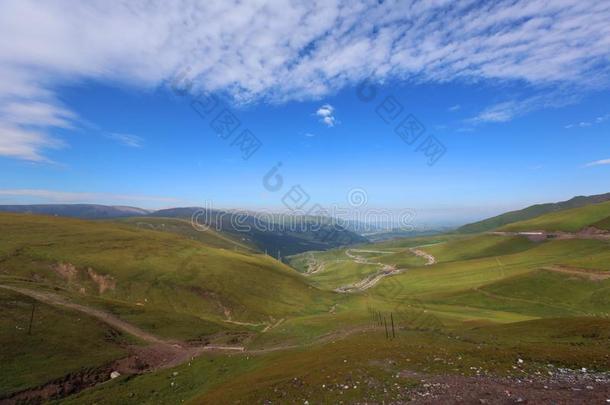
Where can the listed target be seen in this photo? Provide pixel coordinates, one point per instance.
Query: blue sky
(515, 93)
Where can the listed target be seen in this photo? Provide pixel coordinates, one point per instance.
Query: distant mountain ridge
(279, 235)
(83, 211)
(532, 212)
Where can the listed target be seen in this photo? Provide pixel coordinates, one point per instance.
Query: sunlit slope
(339, 267)
(478, 246)
(153, 278)
(572, 220)
(532, 212)
(59, 342)
(537, 280)
(184, 227)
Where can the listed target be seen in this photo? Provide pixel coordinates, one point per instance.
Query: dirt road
(385, 270)
(538, 236)
(430, 259)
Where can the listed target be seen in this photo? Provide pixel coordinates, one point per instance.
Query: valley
(183, 315)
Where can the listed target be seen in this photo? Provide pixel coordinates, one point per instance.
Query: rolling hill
(85, 211)
(531, 212)
(278, 235)
(483, 302)
(567, 220)
(143, 272)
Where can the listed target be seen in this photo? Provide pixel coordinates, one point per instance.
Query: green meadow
(487, 300)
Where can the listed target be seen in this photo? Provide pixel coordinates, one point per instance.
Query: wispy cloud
(585, 124)
(454, 108)
(53, 196)
(326, 114)
(24, 128)
(127, 139)
(517, 106)
(280, 50)
(599, 163)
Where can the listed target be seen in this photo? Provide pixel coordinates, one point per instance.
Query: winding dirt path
(589, 274)
(56, 300)
(429, 258)
(385, 270)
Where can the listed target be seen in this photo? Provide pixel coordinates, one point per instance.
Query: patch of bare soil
(60, 388)
(159, 354)
(561, 387)
(67, 271)
(430, 260)
(104, 282)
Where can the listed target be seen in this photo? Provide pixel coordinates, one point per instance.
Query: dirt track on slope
(53, 299)
(385, 270)
(429, 258)
(590, 233)
(589, 274)
(158, 354)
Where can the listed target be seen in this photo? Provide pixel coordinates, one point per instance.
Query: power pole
(32, 318)
(386, 328)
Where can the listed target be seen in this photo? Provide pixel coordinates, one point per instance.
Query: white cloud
(585, 124)
(130, 140)
(53, 196)
(518, 106)
(326, 114)
(280, 50)
(23, 128)
(454, 108)
(599, 163)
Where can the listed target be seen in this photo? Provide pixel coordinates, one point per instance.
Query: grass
(368, 362)
(61, 342)
(487, 302)
(477, 247)
(183, 227)
(154, 275)
(572, 220)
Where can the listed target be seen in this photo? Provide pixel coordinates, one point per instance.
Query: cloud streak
(281, 50)
(53, 196)
(130, 140)
(599, 163)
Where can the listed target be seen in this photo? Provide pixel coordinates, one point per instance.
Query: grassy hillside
(55, 346)
(162, 281)
(183, 227)
(485, 302)
(531, 212)
(279, 235)
(84, 211)
(478, 246)
(571, 220)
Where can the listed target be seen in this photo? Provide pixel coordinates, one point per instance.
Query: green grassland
(61, 342)
(572, 220)
(488, 300)
(478, 246)
(183, 227)
(152, 274)
(368, 362)
(339, 269)
(531, 212)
